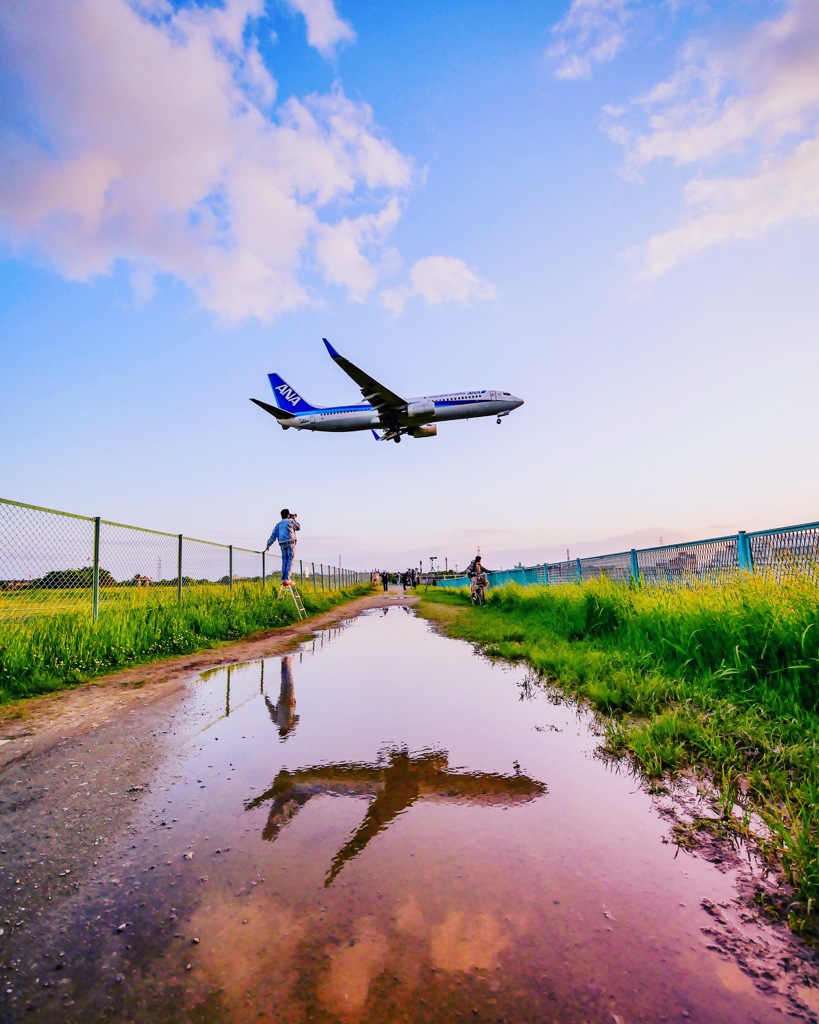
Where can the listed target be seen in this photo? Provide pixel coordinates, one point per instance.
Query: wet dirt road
(379, 826)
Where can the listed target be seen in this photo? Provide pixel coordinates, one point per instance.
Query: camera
(294, 515)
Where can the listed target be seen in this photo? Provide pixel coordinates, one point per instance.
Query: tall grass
(721, 678)
(51, 652)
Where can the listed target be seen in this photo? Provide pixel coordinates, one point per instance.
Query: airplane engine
(429, 430)
(421, 410)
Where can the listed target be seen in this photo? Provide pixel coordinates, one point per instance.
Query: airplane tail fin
(287, 398)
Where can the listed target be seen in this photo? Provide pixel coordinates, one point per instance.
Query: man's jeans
(287, 560)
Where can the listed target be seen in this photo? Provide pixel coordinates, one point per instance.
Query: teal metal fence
(781, 552)
(54, 561)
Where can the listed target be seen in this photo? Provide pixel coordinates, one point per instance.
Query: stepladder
(293, 590)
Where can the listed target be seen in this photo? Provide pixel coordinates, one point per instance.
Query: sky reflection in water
(411, 832)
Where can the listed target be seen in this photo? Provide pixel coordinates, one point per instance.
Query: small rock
(188, 855)
(122, 927)
(194, 941)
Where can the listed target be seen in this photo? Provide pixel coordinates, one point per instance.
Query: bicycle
(479, 585)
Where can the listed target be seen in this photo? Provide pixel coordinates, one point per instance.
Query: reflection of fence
(779, 552)
(59, 562)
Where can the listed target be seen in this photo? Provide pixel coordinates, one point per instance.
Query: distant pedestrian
(285, 533)
(385, 580)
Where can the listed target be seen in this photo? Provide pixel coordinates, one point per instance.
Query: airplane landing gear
(498, 421)
(397, 439)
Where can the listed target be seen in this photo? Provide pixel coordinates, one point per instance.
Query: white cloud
(147, 134)
(325, 30)
(592, 32)
(754, 103)
(339, 249)
(731, 209)
(439, 279)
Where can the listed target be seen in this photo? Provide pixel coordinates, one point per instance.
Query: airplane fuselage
(462, 405)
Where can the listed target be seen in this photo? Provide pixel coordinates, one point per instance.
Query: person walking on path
(285, 533)
(385, 579)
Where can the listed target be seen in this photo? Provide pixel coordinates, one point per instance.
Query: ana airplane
(382, 409)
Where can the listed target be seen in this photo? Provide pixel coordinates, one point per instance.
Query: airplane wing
(391, 407)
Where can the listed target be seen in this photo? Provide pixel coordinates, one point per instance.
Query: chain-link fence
(60, 562)
(780, 552)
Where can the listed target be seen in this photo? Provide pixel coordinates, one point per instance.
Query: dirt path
(83, 819)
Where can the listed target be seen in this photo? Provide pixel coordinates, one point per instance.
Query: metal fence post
(179, 571)
(230, 567)
(313, 569)
(579, 572)
(635, 568)
(263, 575)
(95, 576)
(301, 572)
(744, 555)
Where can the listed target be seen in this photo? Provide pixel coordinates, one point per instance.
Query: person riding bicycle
(474, 571)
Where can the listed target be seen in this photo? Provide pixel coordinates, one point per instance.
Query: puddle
(384, 826)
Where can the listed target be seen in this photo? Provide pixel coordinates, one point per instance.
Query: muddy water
(384, 826)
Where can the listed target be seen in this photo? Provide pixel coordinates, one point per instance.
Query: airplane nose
(517, 402)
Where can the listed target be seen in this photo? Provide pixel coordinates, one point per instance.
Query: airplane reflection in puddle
(392, 784)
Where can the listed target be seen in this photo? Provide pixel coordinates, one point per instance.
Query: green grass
(52, 652)
(723, 679)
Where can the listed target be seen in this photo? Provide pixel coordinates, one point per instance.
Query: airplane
(382, 408)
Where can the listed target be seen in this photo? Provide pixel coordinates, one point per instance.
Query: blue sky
(608, 207)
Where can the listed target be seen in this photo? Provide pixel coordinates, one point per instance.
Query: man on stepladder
(285, 533)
